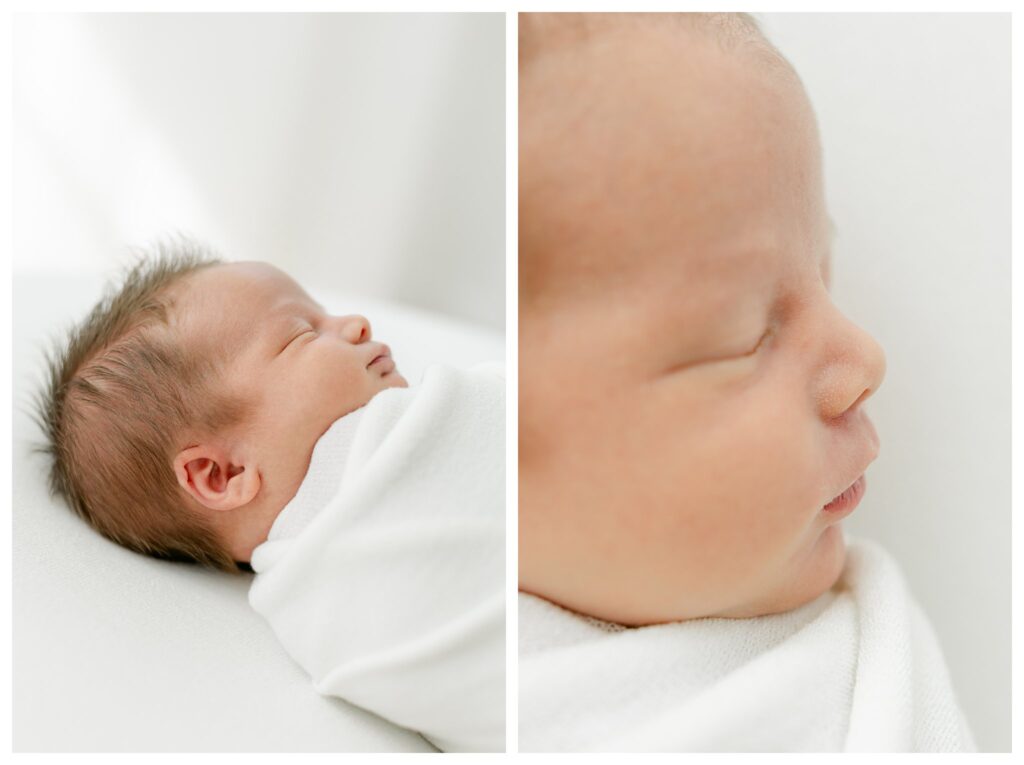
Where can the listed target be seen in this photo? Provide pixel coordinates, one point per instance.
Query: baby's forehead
(245, 283)
(223, 304)
(671, 167)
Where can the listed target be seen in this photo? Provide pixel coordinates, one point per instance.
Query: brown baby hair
(121, 389)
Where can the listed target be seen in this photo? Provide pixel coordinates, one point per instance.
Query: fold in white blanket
(857, 669)
(384, 576)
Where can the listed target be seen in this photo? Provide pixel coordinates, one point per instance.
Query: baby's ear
(209, 475)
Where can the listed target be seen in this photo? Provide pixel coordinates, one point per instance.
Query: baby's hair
(120, 389)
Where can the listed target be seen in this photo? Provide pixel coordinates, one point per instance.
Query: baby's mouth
(846, 501)
(382, 362)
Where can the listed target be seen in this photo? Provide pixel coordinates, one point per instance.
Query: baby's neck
(249, 525)
(328, 453)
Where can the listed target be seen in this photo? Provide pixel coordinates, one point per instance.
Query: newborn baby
(214, 412)
(692, 409)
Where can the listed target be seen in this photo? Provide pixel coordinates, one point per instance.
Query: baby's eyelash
(760, 342)
(301, 334)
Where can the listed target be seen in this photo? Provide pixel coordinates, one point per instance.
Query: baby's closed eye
(302, 333)
(715, 359)
(760, 342)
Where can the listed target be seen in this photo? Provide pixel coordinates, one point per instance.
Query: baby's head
(181, 414)
(690, 396)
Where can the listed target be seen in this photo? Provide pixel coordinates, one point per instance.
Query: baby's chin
(813, 575)
(395, 380)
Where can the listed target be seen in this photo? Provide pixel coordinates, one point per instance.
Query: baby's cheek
(776, 485)
(747, 481)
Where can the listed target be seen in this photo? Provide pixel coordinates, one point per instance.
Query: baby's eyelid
(300, 334)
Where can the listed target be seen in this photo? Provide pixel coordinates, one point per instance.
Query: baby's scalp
(545, 33)
(120, 389)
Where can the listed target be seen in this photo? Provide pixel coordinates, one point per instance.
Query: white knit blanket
(384, 577)
(857, 669)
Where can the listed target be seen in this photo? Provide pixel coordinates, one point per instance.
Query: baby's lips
(382, 360)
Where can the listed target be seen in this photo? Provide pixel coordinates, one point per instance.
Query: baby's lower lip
(845, 503)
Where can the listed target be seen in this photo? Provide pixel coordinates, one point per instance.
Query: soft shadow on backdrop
(914, 112)
(365, 152)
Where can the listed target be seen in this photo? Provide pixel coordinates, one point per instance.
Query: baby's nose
(356, 329)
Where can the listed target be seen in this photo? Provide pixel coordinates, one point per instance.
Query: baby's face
(690, 396)
(301, 368)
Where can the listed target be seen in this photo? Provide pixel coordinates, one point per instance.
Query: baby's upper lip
(869, 454)
(851, 481)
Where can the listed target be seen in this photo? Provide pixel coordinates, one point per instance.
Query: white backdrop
(360, 152)
(914, 111)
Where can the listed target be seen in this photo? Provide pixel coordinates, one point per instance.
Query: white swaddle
(857, 669)
(384, 576)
